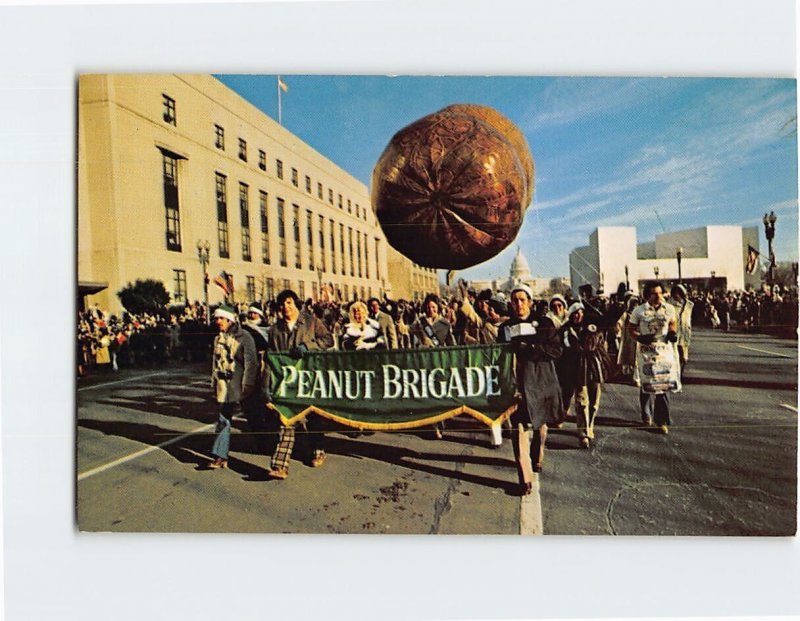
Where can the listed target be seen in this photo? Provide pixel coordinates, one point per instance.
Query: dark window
(251, 288)
(301, 290)
(322, 262)
(349, 206)
(310, 239)
(244, 214)
(262, 200)
(350, 245)
(242, 149)
(308, 184)
(366, 257)
(294, 177)
(341, 247)
(333, 246)
(222, 216)
(330, 196)
(319, 191)
(287, 284)
(262, 160)
(219, 137)
(340, 202)
(296, 230)
(172, 212)
(169, 110)
(179, 286)
(279, 169)
(270, 288)
(358, 252)
(282, 232)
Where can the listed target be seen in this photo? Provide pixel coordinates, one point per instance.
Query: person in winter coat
(361, 332)
(297, 332)
(254, 407)
(535, 343)
(586, 363)
(234, 376)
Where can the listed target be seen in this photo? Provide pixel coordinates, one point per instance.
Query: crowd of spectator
(106, 342)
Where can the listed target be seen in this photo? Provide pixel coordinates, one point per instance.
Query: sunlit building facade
(169, 164)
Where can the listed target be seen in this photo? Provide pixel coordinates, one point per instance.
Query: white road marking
(789, 407)
(149, 449)
(530, 511)
(130, 379)
(764, 351)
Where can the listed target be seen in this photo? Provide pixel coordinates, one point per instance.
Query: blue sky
(661, 154)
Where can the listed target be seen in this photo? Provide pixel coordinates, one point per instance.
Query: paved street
(727, 467)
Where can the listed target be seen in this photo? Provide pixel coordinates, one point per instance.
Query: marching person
(297, 332)
(431, 330)
(683, 316)
(626, 356)
(254, 406)
(385, 322)
(558, 310)
(586, 364)
(234, 376)
(652, 322)
(535, 342)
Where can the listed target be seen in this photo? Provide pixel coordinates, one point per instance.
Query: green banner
(399, 389)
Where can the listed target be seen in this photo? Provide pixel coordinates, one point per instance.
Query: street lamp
(679, 254)
(203, 254)
(319, 281)
(769, 230)
(627, 284)
(655, 270)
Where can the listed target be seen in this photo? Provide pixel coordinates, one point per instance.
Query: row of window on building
(352, 243)
(170, 117)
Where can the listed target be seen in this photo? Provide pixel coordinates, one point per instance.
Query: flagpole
(279, 101)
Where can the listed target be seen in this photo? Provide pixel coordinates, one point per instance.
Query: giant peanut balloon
(451, 189)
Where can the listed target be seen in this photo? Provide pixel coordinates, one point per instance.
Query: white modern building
(701, 258)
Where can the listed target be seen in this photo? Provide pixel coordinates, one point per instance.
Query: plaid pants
(286, 440)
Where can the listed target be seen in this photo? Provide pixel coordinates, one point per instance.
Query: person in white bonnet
(586, 364)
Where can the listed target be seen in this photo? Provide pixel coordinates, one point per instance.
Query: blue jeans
(222, 440)
(655, 408)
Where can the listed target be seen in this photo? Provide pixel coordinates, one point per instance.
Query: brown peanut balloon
(451, 189)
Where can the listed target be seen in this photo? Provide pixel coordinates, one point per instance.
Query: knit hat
(226, 312)
(498, 304)
(486, 295)
(524, 288)
(255, 308)
(558, 297)
(575, 307)
(680, 288)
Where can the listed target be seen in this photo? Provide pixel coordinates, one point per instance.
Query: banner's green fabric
(397, 389)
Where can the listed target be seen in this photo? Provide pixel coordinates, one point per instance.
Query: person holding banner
(653, 325)
(361, 333)
(234, 376)
(536, 345)
(297, 332)
(432, 330)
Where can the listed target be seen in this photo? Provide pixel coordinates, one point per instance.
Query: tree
(144, 296)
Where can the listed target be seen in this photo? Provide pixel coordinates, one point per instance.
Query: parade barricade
(398, 389)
